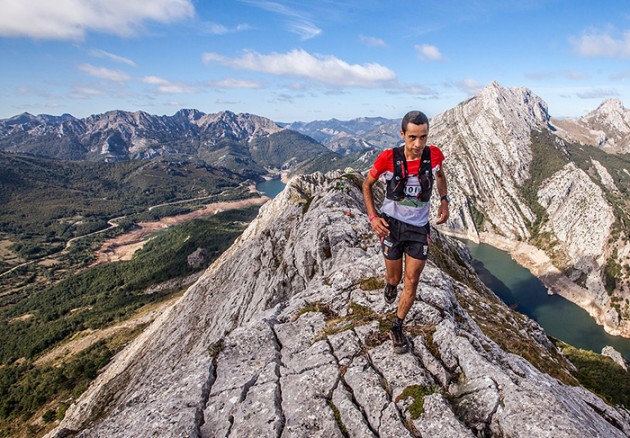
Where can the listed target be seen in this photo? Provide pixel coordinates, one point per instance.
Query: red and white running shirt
(410, 210)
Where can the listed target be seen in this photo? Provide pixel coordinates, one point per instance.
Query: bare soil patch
(124, 246)
(20, 318)
(6, 255)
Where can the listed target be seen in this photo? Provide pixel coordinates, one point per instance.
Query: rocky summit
(606, 127)
(286, 335)
(515, 178)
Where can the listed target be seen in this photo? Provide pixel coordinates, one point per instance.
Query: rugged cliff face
(285, 335)
(515, 179)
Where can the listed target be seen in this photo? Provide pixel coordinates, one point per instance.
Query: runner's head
(415, 117)
(414, 132)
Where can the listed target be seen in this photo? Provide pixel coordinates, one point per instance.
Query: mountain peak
(608, 108)
(22, 118)
(610, 122)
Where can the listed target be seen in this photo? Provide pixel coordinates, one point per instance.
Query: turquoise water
(560, 318)
(271, 187)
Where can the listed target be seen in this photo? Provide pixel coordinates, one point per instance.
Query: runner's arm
(440, 181)
(379, 225)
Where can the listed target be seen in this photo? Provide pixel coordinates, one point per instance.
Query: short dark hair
(415, 117)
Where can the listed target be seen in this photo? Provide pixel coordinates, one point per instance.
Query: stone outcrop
(615, 355)
(286, 335)
(497, 145)
(487, 143)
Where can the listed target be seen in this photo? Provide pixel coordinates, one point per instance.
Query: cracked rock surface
(286, 336)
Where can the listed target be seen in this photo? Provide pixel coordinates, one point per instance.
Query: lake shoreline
(539, 264)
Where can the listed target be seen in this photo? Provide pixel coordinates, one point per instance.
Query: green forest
(95, 298)
(54, 216)
(46, 202)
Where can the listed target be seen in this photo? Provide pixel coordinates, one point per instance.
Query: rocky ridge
(487, 142)
(499, 145)
(285, 335)
(223, 139)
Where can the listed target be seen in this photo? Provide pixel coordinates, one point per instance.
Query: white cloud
(164, 86)
(427, 52)
(297, 22)
(412, 89)
(621, 76)
(219, 29)
(469, 86)
(89, 91)
(85, 93)
(104, 73)
(598, 93)
(323, 68)
(235, 83)
(602, 44)
(72, 19)
(372, 41)
(116, 58)
(304, 29)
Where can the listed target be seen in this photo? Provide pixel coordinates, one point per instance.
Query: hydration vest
(397, 185)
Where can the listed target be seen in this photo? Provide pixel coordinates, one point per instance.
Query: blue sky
(307, 60)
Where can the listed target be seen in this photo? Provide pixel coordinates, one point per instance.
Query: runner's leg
(393, 271)
(413, 269)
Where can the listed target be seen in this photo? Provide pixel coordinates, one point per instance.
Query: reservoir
(270, 187)
(518, 288)
(560, 318)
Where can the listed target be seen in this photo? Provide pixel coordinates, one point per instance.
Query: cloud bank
(603, 44)
(72, 19)
(322, 68)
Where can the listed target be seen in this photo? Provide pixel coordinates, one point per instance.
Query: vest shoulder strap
(400, 162)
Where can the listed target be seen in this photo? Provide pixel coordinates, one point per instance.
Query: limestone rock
(286, 335)
(606, 127)
(198, 258)
(494, 143)
(615, 355)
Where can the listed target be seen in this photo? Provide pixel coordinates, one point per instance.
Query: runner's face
(415, 140)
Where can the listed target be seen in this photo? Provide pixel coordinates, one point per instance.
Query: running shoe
(398, 339)
(390, 293)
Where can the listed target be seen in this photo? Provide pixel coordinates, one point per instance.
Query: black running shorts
(405, 238)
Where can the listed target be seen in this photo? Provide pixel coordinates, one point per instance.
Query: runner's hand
(442, 214)
(380, 226)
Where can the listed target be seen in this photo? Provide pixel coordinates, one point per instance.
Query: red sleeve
(383, 163)
(437, 157)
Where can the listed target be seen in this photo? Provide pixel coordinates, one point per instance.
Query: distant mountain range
(352, 136)
(244, 143)
(251, 144)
